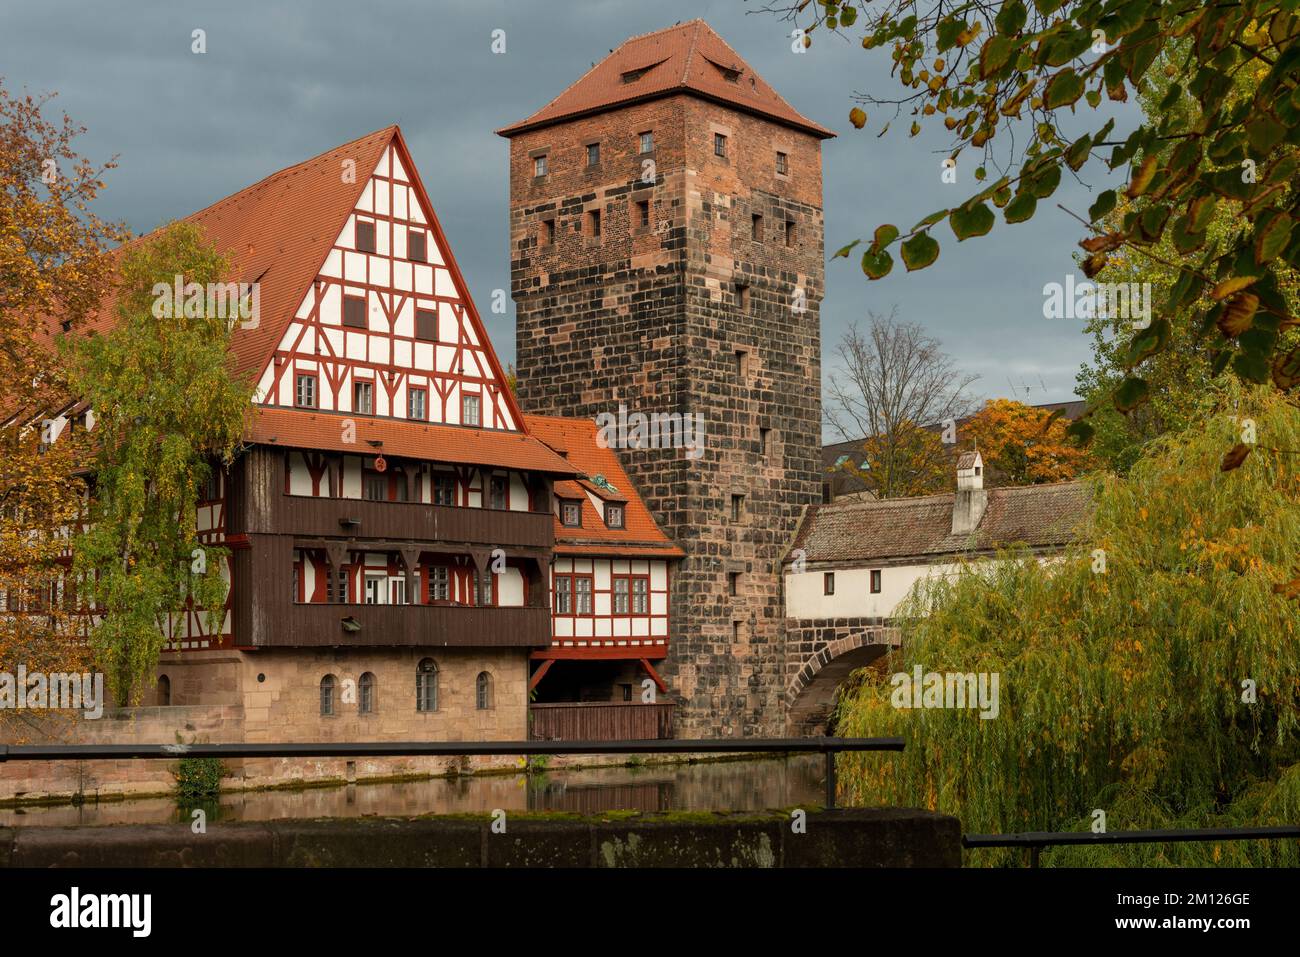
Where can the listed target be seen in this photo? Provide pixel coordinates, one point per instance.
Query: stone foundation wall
(274, 696)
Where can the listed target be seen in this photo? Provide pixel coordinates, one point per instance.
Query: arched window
(327, 695)
(483, 691)
(426, 686)
(366, 694)
(164, 690)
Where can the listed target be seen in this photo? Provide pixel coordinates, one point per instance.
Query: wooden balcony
(600, 721)
(307, 517)
(296, 625)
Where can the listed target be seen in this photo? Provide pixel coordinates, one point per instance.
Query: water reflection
(731, 785)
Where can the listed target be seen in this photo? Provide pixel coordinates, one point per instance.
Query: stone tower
(666, 244)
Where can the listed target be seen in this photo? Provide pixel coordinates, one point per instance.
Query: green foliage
(198, 778)
(1120, 689)
(1172, 358)
(166, 406)
(1228, 129)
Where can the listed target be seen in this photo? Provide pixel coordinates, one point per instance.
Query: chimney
(971, 499)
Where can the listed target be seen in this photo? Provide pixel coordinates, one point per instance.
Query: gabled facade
(390, 520)
(610, 581)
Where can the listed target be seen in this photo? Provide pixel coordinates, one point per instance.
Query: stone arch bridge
(820, 655)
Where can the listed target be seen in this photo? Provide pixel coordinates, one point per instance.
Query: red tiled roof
(640, 536)
(1037, 516)
(300, 429)
(277, 232)
(687, 58)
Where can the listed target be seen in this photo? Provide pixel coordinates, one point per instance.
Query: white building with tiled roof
(852, 565)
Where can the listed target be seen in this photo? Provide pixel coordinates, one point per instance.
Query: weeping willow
(1151, 673)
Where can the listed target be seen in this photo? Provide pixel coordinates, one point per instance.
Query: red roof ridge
(291, 171)
(597, 91)
(690, 52)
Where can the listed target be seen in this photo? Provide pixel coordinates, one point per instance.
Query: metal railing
(170, 752)
(1035, 841)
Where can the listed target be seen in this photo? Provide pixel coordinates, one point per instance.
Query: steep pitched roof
(277, 232)
(576, 440)
(1038, 516)
(686, 58)
(300, 429)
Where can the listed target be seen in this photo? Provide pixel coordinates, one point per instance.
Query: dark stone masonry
(701, 294)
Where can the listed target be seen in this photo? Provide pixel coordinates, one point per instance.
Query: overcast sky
(282, 81)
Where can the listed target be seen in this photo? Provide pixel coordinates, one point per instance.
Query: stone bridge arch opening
(837, 653)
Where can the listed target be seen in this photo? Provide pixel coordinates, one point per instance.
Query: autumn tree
(1149, 672)
(167, 409)
(53, 270)
(1013, 82)
(1181, 377)
(1023, 444)
(897, 392)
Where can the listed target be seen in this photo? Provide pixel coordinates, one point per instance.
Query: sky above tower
(189, 128)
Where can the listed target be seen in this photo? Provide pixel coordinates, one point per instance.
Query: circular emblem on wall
(381, 464)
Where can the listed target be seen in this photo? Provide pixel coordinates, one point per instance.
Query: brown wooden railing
(600, 721)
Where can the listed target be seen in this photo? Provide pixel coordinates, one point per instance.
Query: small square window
(416, 247)
(469, 410)
(593, 224)
(365, 237)
(417, 404)
(593, 154)
(614, 515)
(742, 298)
(647, 142)
(737, 507)
(354, 312)
(782, 163)
(571, 513)
(790, 235)
(539, 165)
(426, 325)
(363, 398)
(643, 213)
(304, 396)
(719, 145)
(875, 581)
(828, 583)
(756, 228)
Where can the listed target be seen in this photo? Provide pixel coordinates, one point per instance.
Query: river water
(749, 785)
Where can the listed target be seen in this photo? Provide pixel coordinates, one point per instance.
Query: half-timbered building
(391, 521)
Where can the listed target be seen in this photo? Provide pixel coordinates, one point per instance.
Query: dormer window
(570, 513)
(614, 516)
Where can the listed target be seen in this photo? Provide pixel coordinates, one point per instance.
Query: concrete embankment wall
(880, 837)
